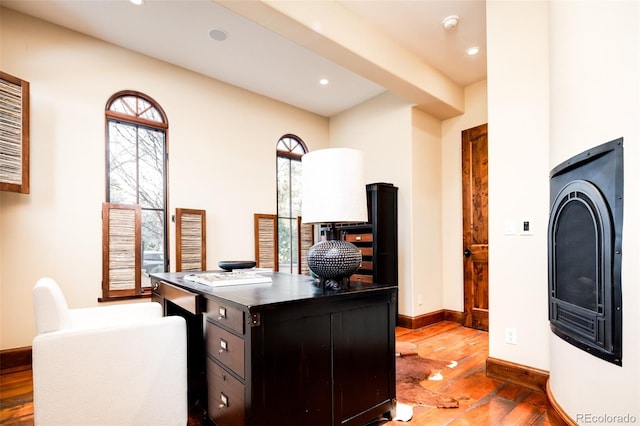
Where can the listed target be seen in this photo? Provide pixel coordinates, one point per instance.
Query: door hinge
(254, 321)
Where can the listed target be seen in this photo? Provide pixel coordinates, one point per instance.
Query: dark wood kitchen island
(286, 352)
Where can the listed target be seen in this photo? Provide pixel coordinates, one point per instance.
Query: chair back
(50, 307)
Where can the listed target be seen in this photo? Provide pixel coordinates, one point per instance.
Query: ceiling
(267, 62)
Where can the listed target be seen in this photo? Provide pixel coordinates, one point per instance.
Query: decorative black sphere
(334, 259)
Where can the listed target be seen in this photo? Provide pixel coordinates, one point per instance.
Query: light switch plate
(526, 227)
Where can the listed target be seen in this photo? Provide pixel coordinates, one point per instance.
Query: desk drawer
(366, 265)
(228, 316)
(181, 297)
(226, 348)
(359, 238)
(365, 279)
(366, 251)
(225, 398)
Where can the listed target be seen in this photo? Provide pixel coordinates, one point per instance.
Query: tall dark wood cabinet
(378, 237)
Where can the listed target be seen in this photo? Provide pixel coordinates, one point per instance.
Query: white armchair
(116, 365)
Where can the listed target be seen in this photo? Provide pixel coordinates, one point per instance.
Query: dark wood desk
(289, 353)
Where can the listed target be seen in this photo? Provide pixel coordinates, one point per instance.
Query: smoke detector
(450, 22)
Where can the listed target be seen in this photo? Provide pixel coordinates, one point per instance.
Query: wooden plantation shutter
(14, 134)
(191, 240)
(305, 241)
(121, 250)
(266, 240)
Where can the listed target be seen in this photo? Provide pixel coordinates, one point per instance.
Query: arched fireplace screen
(585, 251)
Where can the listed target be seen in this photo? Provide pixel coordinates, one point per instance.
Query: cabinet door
(364, 361)
(329, 362)
(291, 376)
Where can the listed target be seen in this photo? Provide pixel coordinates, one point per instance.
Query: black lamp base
(333, 284)
(334, 261)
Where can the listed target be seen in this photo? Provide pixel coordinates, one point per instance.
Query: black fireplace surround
(585, 251)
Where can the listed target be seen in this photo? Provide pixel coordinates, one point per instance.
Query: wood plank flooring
(16, 396)
(483, 401)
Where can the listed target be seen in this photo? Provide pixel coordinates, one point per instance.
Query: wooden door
(475, 221)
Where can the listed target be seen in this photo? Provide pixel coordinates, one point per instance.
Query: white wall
(426, 213)
(595, 98)
(475, 114)
(222, 159)
(422, 156)
(518, 98)
(563, 77)
(381, 129)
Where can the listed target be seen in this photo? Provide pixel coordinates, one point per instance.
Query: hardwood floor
(16, 396)
(483, 401)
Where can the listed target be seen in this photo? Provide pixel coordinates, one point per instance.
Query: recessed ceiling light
(324, 81)
(473, 50)
(218, 34)
(137, 2)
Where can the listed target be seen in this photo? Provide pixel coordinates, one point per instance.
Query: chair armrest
(105, 316)
(125, 374)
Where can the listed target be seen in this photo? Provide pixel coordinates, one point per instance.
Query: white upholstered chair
(116, 365)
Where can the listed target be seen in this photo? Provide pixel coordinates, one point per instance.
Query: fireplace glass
(576, 249)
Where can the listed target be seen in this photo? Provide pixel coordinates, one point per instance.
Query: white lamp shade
(333, 189)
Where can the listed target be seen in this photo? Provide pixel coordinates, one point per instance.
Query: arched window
(289, 152)
(136, 181)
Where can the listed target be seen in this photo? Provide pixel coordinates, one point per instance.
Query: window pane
(150, 113)
(151, 168)
(294, 246)
(298, 149)
(122, 163)
(124, 105)
(284, 245)
(284, 194)
(284, 145)
(153, 256)
(288, 245)
(289, 184)
(296, 188)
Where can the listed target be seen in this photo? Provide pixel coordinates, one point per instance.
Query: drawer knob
(224, 401)
(224, 346)
(222, 313)
(358, 238)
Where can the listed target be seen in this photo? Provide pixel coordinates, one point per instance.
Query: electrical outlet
(419, 299)
(511, 336)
